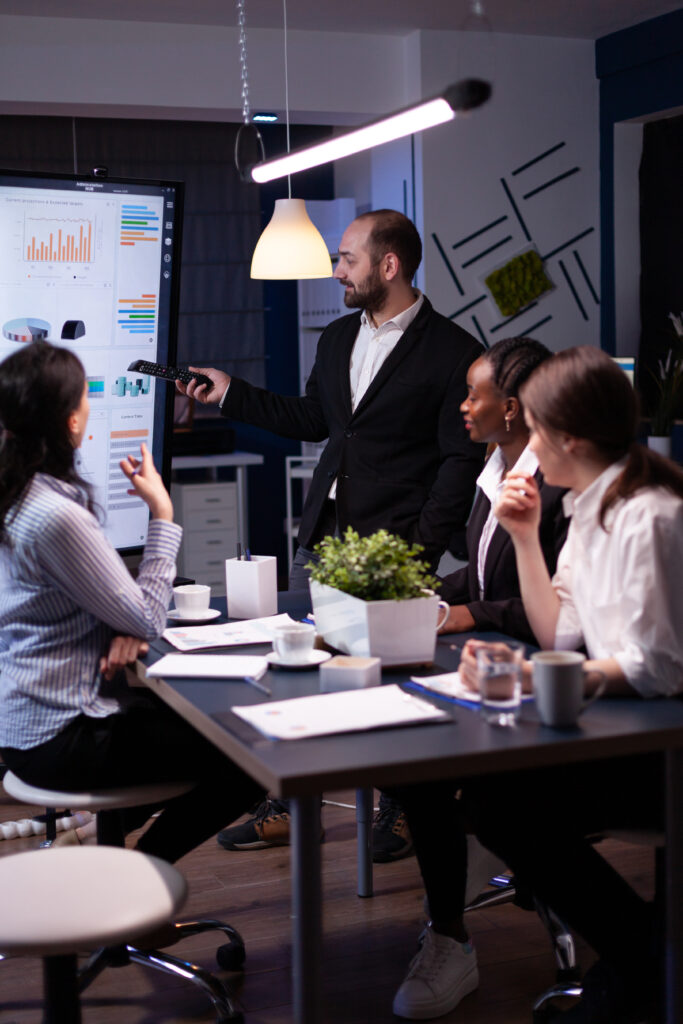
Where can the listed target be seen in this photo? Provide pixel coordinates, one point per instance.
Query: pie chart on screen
(26, 328)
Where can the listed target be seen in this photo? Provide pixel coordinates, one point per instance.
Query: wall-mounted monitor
(93, 264)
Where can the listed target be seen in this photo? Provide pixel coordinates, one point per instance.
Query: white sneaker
(440, 975)
(482, 865)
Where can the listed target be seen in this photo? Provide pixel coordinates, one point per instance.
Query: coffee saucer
(196, 620)
(313, 658)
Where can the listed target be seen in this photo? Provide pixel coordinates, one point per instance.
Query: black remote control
(169, 372)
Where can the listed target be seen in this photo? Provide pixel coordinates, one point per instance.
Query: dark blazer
(403, 460)
(502, 607)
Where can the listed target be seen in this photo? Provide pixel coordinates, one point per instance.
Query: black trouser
(437, 829)
(538, 821)
(146, 744)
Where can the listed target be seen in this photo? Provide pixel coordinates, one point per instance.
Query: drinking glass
(499, 674)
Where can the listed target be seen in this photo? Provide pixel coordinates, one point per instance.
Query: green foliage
(517, 283)
(669, 382)
(380, 567)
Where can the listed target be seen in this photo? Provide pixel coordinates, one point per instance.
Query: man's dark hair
(393, 232)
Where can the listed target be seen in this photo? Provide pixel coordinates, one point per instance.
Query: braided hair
(512, 362)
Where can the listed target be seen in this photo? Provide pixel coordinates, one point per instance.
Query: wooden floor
(367, 943)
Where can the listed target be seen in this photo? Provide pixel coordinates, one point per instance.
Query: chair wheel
(231, 956)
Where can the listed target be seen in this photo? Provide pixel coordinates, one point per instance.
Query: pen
(248, 555)
(239, 552)
(254, 681)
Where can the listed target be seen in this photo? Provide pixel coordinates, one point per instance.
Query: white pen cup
(251, 586)
(293, 642)
(558, 680)
(192, 600)
(499, 675)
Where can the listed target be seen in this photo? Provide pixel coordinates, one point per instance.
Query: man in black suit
(385, 392)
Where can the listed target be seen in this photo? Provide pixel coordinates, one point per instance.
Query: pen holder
(251, 586)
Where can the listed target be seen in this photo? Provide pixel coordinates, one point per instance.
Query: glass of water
(499, 674)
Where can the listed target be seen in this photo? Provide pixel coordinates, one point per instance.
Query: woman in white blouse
(618, 591)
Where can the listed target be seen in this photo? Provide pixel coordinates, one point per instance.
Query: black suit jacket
(403, 460)
(502, 607)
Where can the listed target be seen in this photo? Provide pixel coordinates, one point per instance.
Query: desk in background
(466, 745)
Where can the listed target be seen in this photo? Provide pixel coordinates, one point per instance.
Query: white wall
(545, 93)
(114, 68)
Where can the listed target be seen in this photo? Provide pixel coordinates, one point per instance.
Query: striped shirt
(64, 593)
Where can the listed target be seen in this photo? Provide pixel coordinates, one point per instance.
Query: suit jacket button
(348, 433)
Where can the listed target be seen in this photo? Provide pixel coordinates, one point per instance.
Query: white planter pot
(661, 444)
(398, 632)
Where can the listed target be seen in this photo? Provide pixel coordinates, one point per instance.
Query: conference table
(464, 745)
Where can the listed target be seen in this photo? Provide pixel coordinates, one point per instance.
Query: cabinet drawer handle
(213, 542)
(212, 521)
(212, 501)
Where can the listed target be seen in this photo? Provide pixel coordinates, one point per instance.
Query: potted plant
(372, 596)
(669, 383)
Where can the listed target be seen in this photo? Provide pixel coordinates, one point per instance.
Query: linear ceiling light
(456, 99)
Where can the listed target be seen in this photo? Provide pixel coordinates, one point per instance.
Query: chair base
(230, 956)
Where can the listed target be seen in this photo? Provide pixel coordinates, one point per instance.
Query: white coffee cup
(293, 642)
(558, 679)
(192, 600)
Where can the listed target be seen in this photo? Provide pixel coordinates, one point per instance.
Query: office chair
(107, 803)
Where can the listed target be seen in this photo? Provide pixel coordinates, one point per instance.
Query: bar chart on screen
(58, 239)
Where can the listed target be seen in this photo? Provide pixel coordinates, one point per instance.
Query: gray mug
(558, 679)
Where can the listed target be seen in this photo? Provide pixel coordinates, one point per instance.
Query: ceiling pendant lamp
(290, 248)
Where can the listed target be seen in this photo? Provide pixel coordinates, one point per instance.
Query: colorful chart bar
(139, 223)
(59, 245)
(138, 316)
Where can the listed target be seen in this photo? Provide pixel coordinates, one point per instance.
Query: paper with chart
(450, 685)
(208, 666)
(350, 711)
(229, 634)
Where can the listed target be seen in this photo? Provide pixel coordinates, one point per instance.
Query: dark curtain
(221, 309)
(661, 244)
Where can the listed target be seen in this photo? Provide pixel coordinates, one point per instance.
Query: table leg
(306, 909)
(364, 841)
(242, 509)
(674, 887)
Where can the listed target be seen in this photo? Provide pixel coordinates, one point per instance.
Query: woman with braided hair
(485, 593)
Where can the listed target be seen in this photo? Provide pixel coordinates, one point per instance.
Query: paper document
(349, 711)
(449, 685)
(229, 634)
(208, 666)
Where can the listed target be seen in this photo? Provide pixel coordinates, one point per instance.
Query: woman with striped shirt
(71, 617)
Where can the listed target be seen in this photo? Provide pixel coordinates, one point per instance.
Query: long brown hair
(582, 392)
(40, 386)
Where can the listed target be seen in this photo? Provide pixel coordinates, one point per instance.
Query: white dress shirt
(621, 588)
(488, 480)
(370, 350)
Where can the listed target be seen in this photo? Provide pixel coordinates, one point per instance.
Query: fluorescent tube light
(458, 98)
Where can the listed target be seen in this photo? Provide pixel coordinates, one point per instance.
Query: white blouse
(621, 588)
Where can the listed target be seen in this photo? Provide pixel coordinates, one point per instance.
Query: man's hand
(459, 620)
(202, 392)
(123, 650)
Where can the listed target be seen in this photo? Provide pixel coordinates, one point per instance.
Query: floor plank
(367, 942)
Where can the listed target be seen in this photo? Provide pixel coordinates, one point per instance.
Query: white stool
(230, 955)
(79, 898)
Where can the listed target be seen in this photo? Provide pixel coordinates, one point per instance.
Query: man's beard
(370, 294)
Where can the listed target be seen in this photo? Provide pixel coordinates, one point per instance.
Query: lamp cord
(284, 21)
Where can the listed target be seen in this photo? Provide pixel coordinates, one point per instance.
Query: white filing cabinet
(208, 514)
